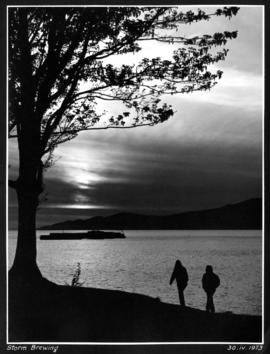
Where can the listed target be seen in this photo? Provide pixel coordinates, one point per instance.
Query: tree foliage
(59, 68)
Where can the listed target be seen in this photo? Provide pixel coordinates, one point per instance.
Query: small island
(91, 235)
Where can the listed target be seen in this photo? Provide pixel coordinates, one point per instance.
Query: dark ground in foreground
(52, 313)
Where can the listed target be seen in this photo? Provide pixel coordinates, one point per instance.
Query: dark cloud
(158, 170)
(167, 179)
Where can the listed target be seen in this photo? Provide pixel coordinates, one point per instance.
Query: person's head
(209, 269)
(178, 263)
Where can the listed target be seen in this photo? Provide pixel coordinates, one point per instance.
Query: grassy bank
(48, 312)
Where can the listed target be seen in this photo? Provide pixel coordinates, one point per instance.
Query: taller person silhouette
(181, 276)
(210, 282)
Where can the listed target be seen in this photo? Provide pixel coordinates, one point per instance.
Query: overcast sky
(207, 155)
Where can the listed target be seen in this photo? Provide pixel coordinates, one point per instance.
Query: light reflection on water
(143, 263)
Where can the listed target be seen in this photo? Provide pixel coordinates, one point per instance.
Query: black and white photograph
(135, 176)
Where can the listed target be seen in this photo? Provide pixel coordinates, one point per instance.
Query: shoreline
(51, 312)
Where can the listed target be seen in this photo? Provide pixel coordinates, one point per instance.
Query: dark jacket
(180, 275)
(210, 282)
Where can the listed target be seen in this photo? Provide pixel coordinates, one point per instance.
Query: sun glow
(81, 175)
(74, 206)
(85, 179)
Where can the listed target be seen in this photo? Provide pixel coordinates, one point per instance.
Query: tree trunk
(29, 183)
(25, 265)
(29, 186)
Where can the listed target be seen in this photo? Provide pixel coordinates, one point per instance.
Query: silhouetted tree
(54, 50)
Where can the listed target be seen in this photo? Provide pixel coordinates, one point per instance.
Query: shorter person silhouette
(210, 282)
(181, 276)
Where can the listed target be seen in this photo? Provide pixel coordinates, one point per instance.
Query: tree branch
(74, 131)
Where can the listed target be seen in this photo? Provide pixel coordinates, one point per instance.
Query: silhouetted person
(181, 276)
(210, 282)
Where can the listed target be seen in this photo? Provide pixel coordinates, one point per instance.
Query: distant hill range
(243, 215)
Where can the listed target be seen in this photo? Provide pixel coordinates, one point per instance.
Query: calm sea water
(143, 263)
